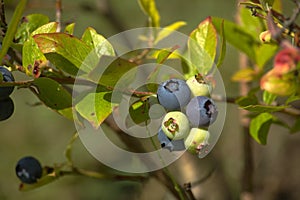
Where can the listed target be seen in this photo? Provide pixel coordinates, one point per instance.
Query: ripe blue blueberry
(7, 77)
(175, 125)
(201, 111)
(29, 170)
(171, 145)
(6, 108)
(173, 94)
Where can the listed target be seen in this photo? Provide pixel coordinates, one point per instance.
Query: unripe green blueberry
(196, 140)
(198, 86)
(175, 125)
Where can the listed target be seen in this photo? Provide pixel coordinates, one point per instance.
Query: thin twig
(205, 178)
(3, 23)
(58, 6)
(188, 190)
(248, 170)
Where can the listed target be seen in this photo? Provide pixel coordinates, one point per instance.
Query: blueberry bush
(55, 62)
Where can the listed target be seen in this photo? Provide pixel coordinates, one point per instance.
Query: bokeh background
(38, 131)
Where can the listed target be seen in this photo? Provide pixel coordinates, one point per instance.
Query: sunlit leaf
(46, 28)
(259, 127)
(70, 28)
(62, 49)
(32, 56)
(95, 107)
(202, 46)
(149, 8)
(28, 25)
(97, 42)
(244, 75)
(168, 30)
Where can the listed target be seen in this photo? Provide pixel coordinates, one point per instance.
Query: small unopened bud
(265, 36)
(281, 85)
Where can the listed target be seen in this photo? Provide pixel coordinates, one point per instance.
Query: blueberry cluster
(190, 111)
(6, 103)
(29, 170)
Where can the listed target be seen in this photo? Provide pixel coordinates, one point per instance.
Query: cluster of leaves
(54, 60)
(268, 39)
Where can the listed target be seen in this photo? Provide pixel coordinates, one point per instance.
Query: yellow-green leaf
(97, 42)
(66, 52)
(168, 30)
(202, 46)
(244, 75)
(149, 8)
(95, 107)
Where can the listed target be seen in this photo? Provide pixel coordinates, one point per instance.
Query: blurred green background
(40, 132)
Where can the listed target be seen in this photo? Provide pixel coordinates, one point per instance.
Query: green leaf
(259, 127)
(164, 54)
(292, 98)
(149, 8)
(223, 46)
(115, 70)
(247, 101)
(238, 37)
(266, 4)
(264, 108)
(12, 28)
(32, 56)
(264, 53)
(66, 49)
(268, 97)
(244, 75)
(28, 25)
(251, 5)
(97, 42)
(168, 30)
(46, 28)
(70, 29)
(253, 24)
(51, 93)
(277, 6)
(296, 127)
(202, 46)
(138, 112)
(95, 107)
